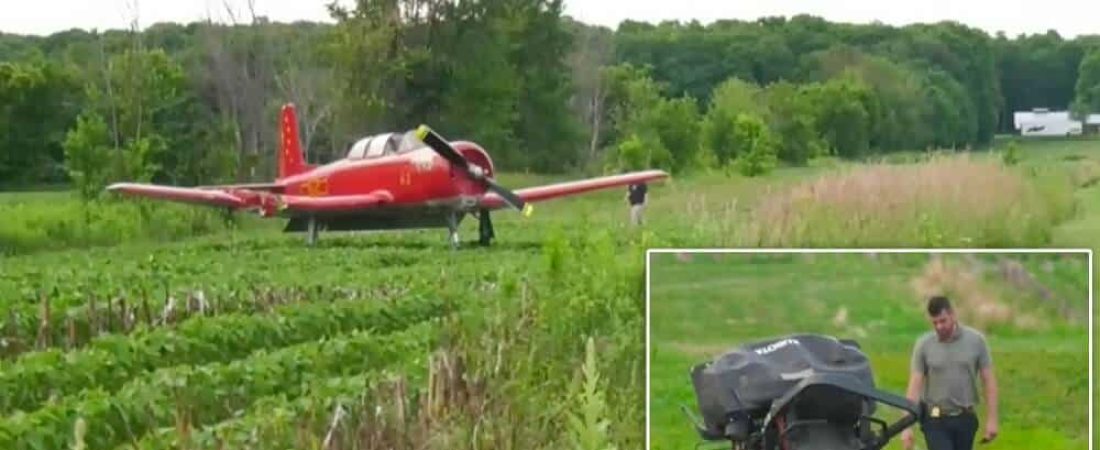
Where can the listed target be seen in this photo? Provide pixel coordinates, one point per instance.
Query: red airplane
(386, 182)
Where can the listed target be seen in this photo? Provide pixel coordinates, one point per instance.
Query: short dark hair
(938, 304)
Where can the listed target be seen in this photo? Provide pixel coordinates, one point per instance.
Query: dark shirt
(637, 194)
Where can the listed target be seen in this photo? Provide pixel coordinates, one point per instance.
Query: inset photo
(869, 349)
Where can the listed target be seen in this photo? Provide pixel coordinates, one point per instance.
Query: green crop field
(140, 325)
(1032, 308)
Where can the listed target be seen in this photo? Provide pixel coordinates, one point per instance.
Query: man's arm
(989, 382)
(916, 382)
(992, 418)
(917, 369)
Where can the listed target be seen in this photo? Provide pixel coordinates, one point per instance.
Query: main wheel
(485, 228)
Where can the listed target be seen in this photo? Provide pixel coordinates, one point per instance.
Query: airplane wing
(179, 194)
(336, 203)
(244, 198)
(270, 187)
(552, 191)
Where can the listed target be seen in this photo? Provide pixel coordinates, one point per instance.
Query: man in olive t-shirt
(945, 366)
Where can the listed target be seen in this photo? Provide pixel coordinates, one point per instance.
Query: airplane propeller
(441, 146)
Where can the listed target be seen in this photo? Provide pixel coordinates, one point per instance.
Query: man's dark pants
(950, 432)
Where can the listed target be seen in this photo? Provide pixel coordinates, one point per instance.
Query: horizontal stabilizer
(178, 194)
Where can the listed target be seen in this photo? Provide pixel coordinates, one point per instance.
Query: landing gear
(229, 218)
(452, 229)
(311, 231)
(485, 228)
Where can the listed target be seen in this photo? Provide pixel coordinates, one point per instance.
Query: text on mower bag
(775, 346)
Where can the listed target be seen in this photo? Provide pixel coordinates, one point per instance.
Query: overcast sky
(1068, 17)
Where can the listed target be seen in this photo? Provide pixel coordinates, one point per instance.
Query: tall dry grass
(978, 302)
(952, 201)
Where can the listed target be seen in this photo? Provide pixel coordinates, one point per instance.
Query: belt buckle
(935, 412)
(958, 411)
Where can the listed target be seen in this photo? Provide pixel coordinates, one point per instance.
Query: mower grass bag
(808, 391)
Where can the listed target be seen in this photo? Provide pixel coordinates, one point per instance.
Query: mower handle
(847, 383)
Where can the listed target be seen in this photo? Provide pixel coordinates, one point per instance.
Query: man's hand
(912, 393)
(991, 416)
(991, 429)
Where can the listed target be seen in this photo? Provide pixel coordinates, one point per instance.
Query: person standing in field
(944, 367)
(636, 195)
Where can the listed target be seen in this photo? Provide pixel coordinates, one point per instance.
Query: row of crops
(256, 341)
(214, 345)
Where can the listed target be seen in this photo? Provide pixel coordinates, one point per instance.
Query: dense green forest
(196, 103)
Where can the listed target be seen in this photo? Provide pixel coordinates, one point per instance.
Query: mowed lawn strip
(705, 306)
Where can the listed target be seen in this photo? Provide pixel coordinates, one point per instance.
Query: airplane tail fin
(291, 161)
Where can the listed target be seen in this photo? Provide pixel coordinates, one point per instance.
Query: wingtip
(655, 174)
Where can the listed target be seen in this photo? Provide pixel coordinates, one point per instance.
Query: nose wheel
(452, 229)
(311, 232)
(484, 228)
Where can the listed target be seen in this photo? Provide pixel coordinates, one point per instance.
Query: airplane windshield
(385, 144)
(409, 142)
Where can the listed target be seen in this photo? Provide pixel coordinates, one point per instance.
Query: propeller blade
(509, 197)
(441, 146)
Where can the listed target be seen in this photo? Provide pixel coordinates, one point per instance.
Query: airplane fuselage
(425, 189)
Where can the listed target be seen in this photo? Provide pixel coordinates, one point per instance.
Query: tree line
(197, 103)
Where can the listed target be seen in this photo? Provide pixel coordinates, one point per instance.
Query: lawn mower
(795, 392)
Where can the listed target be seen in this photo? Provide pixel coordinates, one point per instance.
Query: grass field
(165, 325)
(703, 305)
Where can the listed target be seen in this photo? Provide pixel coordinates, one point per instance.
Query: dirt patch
(701, 350)
(840, 320)
(977, 304)
(1016, 275)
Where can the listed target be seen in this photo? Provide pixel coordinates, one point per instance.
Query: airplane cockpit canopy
(384, 144)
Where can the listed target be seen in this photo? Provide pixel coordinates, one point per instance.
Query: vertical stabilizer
(291, 161)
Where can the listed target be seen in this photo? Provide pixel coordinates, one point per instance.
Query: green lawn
(702, 307)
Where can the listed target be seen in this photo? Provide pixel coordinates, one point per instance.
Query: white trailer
(1044, 122)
